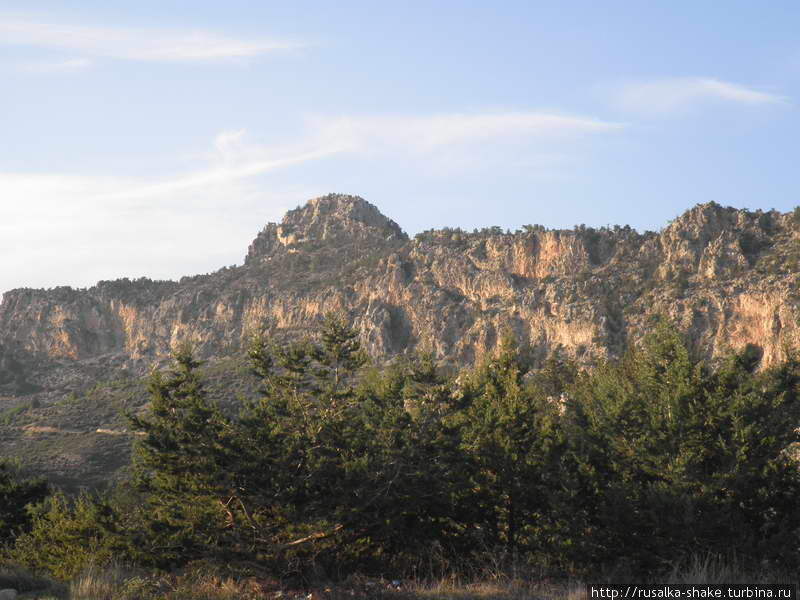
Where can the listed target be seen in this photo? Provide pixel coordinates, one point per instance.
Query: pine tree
(673, 457)
(354, 476)
(185, 466)
(339, 356)
(510, 432)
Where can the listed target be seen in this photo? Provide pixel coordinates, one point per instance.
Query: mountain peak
(335, 219)
(333, 211)
(706, 222)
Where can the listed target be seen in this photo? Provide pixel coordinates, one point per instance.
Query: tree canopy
(341, 465)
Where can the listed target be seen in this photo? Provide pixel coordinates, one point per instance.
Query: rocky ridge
(728, 277)
(724, 274)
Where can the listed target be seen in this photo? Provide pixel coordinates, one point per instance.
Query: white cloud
(74, 63)
(423, 134)
(216, 176)
(57, 65)
(153, 45)
(679, 94)
(229, 143)
(224, 170)
(458, 144)
(76, 229)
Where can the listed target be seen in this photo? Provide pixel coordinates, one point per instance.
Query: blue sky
(156, 138)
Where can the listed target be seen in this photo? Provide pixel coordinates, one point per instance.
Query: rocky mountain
(728, 277)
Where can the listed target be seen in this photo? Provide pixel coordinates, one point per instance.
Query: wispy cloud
(152, 45)
(233, 161)
(76, 229)
(680, 94)
(415, 134)
(93, 227)
(60, 65)
(216, 176)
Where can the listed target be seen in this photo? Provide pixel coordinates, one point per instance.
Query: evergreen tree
(511, 435)
(185, 467)
(672, 458)
(640, 463)
(354, 477)
(339, 356)
(633, 422)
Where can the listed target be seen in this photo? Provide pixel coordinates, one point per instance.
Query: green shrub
(70, 536)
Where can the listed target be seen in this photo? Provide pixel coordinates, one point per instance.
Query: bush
(67, 537)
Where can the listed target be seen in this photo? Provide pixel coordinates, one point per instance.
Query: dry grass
(716, 569)
(99, 584)
(117, 583)
(497, 590)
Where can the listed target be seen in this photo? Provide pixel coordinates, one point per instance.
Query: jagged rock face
(729, 277)
(336, 220)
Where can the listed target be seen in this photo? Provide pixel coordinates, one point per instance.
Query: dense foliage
(340, 466)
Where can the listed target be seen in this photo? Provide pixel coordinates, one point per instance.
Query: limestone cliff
(725, 275)
(728, 277)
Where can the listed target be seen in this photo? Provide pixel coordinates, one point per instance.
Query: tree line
(341, 466)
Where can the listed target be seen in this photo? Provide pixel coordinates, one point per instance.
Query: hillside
(70, 360)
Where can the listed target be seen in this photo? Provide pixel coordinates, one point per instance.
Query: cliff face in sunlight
(71, 361)
(729, 277)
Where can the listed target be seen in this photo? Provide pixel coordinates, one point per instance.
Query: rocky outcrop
(726, 275)
(337, 220)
